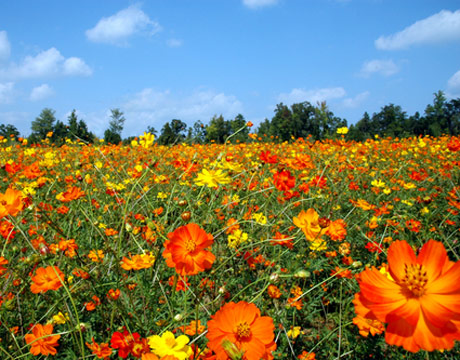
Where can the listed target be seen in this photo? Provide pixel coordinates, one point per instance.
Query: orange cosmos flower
(101, 351)
(337, 230)
(240, 325)
(186, 250)
(73, 193)
(138, 262)
(41, 340)
(10, 203)
(419, 298)
(308, 221)
(49, 278)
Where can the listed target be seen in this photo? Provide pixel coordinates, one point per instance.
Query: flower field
(303, 250)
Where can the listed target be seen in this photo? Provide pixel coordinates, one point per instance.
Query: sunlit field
(303, 250)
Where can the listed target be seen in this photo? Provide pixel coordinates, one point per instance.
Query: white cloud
(74, 66)
(356, 101)
(174, 43)
(254, 4)
(116, 29)
(441, 27)
(154, 108)
(41, 92)
(6, 92)
(382, 67)
(47, 63)
(312, 96)
(5, 48)
(453, 85)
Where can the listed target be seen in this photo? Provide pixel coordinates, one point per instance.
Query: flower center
(170, 342)
(3, 202)
(415, 279)
(243, 331)
(190, 245)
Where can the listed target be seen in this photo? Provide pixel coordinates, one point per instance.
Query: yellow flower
(168, 345)
(342, 130)
(260, 218)
(318, 245)
(237, 238)
(60, 318)
(146, 140)
(294, 332)
(378, 183)
(212, 178)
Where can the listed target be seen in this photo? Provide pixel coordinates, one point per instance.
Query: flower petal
(433, 257)
(400, 254)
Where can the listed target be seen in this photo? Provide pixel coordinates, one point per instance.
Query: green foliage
(113, 134)
(172, 132)
(8, 131)
(218, 130)
(42, 125)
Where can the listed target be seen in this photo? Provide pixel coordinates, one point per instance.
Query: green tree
(218, 130)
(172, 132)
(197, 133)
(42, 125)
(113, 134)
(8, 131)
(78, 128)
(239, 128)
(263, 131)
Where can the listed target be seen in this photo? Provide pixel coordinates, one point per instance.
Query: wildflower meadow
(330, 249)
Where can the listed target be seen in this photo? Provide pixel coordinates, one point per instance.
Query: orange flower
(73, 193)
(337, 230)
(138, 262)
(308, 221)
(419, 298)
(102, 350)
(238, 327)
(10, 203)
(49, 278)
(41, 340)
(273, 291)
(185, 250)
(3, 262)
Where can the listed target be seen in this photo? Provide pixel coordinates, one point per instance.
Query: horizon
(234, 57)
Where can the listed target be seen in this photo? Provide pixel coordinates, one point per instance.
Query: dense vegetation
(300, 120)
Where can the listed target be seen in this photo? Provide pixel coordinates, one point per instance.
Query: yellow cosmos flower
(212, 178)
(166, 344)
(146, 140)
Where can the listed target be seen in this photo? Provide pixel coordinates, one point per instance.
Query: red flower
(124, 342)
(283, 180)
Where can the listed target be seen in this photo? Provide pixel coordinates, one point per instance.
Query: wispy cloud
(313, 96)
(6, 92)
(382, 67)
(152, 107)
(41, 92)
(453, 85)
(354, 102)
(48, 63)
(5, 47)
(255, 4)
(441, 27)
(174, 43)
(118, 28)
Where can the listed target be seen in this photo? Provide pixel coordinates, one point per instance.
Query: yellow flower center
(415, 279)
(190, 245)
(243, 331)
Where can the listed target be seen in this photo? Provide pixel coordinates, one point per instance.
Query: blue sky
(191, 59)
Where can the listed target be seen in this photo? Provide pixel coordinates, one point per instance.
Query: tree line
(300, 120)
